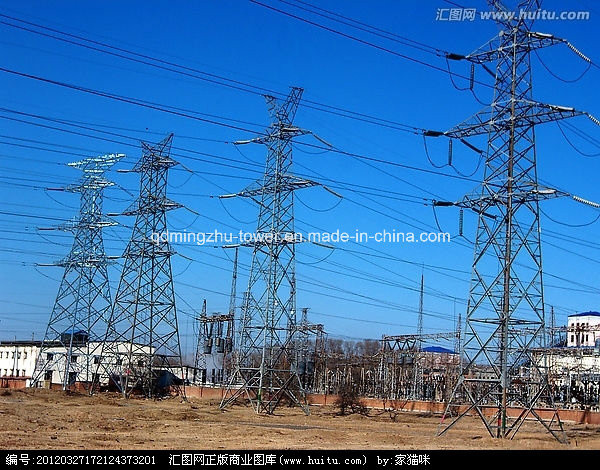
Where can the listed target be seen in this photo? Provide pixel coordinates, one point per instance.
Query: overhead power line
(370, 44)
(192, 72)
(347, 21)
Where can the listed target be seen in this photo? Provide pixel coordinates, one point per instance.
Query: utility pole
(142, 345)
(505, 312)
(266, 370)
(79, 318)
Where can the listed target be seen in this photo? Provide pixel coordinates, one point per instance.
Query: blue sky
(357, 294)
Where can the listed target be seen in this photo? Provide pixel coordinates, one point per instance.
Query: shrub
(349, 402)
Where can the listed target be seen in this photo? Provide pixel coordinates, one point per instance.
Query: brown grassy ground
(43, 419)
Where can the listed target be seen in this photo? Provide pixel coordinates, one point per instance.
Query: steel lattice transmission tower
(142, 343)
(266, 369)
(200, 357)
(79, 318)
(505, 312)
(417, 390)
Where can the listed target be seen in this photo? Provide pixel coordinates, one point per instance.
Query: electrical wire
(573, 146)
(338, 202)
(137, 102)
(452, 78)
(567, 224)
(549, 70)
(362, 41)
(429, 157)
(207, 154)
(200, 74)
(366, 27)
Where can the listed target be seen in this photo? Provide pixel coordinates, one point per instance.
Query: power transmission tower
(229, 355)
(418, 366)
(505, 312)
(302, 347)
(142, 345)
(233, 294)
(201, 335)
(458, 338)
(266, 371)
(552, 326)
(82, 307)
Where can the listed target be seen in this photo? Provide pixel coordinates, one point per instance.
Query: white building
(17, 360)
(18, 363)
(583, 329)
(574, 370)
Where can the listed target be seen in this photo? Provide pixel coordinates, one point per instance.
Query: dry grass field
(44, 419)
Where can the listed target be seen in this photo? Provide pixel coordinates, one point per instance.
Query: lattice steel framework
(266, 369)
(310, 348)
(200, 356)
(417, 390)
(505, 312)
(215, 341)
(79, 318)
(398, 366)
(142, 343)
(458, 338)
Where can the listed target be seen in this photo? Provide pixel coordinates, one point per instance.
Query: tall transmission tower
(266, 369)
(458, 337)
(552, 327)
(200, 356)
(142, 345)
(82, 307)
(229, 357)
(417, 390)
(505, 312)
(302, 347)
(233, 293)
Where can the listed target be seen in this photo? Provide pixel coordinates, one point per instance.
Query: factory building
(18, 362)
(573, 363)
(583, 329)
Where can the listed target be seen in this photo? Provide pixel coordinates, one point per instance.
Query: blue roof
(438, 349)
(586, 314)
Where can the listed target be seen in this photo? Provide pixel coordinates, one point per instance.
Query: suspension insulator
(450, 152)
(461, 215)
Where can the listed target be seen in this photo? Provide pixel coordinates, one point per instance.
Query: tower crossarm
(525, 194)
(498, 118)
(287, 183)
(531, 40)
